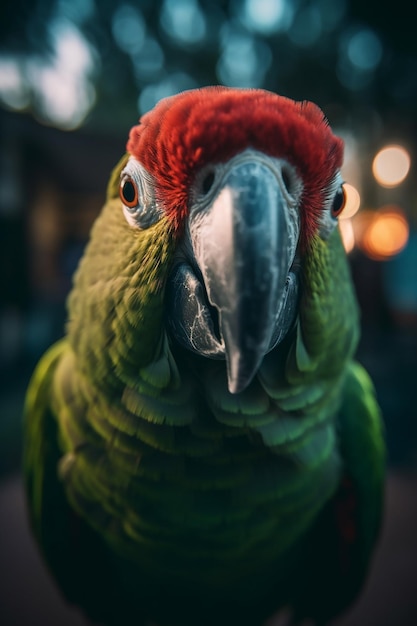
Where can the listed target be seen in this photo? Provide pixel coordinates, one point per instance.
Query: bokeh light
(306, 27)
(128, 28)
(364, 49)
(168, 86)
(266, 16)
(184, 21)
(13, 89)
(386, 233)
(64, 90)
(347, 234)
(148, 62)
(353, 201)
(391, 165)
(244, 60)
(360, 223)
(61, 85)
(78, 11)
(360, 54)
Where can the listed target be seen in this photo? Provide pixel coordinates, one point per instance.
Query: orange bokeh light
(353, 201)
(347, 234)
(384, 233)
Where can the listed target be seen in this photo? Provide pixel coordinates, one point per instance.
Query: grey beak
(244, 245)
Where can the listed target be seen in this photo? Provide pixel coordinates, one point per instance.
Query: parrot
(202, 446)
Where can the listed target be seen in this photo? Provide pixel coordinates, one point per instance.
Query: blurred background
(74, 77)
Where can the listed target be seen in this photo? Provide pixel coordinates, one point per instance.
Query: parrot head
(246, 180)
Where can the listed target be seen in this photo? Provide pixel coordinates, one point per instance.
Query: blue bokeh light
(128, 27)
(183, 21)
(364, 49)
(244, 59)
(168, 86)
(266, 16)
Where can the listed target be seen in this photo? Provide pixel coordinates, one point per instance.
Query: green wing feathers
(40, 448)
(363, 449)
(73, 552)
(338, 549)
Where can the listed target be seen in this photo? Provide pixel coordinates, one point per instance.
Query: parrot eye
(128, 193)
(136, 191)
(339, 202)
(335, 201)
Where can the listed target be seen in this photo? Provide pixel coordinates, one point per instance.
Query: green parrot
(201, 447)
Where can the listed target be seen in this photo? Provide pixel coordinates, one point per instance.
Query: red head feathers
(187, 131)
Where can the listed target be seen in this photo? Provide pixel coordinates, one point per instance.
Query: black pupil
(207, 183)
(129, 191)
(338, 202)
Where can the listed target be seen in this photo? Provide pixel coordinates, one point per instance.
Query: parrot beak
(243, 247)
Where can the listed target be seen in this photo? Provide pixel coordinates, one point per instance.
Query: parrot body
(201, 446)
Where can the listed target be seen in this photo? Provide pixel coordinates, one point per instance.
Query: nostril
(286, 179)
(207, 183)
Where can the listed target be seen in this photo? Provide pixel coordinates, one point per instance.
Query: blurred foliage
(338, 53)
